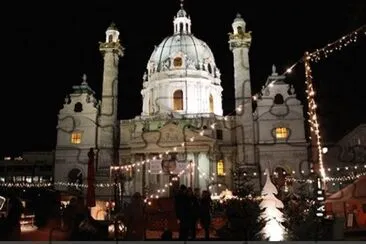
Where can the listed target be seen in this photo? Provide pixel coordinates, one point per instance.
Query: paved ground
(43, 234)
(355, 234)
(156, 235)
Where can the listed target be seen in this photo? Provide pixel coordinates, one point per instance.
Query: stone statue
(274, 70)
(84, 79)
(67, 100)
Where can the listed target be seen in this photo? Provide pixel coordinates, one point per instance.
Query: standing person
(193, 212)
(13, 218)
(135, 219)
(3, 232)
(181, 211)
(205, 213)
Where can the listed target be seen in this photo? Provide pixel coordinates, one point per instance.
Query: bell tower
(239, 44)
(108, 139)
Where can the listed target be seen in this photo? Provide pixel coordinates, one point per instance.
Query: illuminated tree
(243, 213)
(273, 230)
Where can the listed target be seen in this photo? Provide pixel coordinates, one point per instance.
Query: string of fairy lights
(316, 56)
(348, 172)
(313, 117)
(337, 45)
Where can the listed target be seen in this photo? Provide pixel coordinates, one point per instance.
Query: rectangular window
(281, 133)
(220, 168)
(76, 138)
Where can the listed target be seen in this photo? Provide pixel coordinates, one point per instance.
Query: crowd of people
(192, 209)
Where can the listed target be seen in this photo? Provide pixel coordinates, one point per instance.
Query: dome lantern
(182, 22)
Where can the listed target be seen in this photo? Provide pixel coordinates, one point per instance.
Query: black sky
(48, 46)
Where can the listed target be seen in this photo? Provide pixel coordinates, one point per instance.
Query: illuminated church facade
(182, 135)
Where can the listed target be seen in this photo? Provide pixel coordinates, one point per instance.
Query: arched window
(178, 100)
(177, 62)
(240, 30)
(278, 99)
(110, 38)
(209, 68)
(78, 107)
(150, 107)
(211, 104)
(181, 27)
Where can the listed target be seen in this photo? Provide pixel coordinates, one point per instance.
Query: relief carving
(172, 134)
(151, 137)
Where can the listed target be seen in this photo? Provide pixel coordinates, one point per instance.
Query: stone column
(196, 182)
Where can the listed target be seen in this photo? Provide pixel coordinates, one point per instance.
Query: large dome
(193, 50)
(181, 75)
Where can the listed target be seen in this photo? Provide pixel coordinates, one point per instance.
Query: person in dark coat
(181, 211)
(13, 218)
(193, 213)
(205, 213)
(3, 233)
(135, 219)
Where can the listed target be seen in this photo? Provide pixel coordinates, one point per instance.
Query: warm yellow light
(220, 168)
(281, 133)
(76, 138)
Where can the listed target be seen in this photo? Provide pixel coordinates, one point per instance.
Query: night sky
(47, 47)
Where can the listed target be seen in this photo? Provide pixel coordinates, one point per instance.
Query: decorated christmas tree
(273, 230)
(242, 212)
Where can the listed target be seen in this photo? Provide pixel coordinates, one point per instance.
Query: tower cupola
(182, 22)
(238, 25)
(112, 33)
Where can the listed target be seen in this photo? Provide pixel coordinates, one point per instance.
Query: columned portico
(145, 171)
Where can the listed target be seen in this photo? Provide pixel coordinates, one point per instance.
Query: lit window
(177, 62)
(178, 100)
(220, 168)
(76, 138)
(211, 103)
(281, 133)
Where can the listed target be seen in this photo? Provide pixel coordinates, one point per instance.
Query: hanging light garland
(337, 45)
(316, 144)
